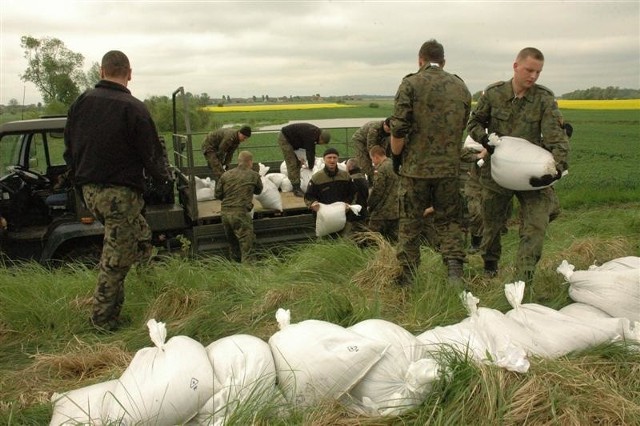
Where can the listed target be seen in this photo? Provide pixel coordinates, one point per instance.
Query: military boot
(475, 244)
(297, 191)
(490, 268)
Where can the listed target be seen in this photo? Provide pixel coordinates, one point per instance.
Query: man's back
(435, 106)
(237, 187)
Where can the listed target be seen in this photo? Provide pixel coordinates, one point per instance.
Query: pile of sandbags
(205, 188)
(373, 368)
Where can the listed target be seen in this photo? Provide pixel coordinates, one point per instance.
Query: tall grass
(47, 345)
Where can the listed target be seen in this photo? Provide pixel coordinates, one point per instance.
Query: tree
(55, 70)
(92, 76)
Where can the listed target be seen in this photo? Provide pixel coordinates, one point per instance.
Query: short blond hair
(245, 158)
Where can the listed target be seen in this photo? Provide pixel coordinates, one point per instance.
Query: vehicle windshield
(9, 152)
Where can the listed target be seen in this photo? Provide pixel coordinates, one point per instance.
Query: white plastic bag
(165, 384)
(205, 188)
(244, 372)
(262, 169)
(401, 380)
(516, 160)
(332, 217)
(617, 292)
(86, 405)
(319, 361)
(270, 197)
(619, 264)
(276, 178)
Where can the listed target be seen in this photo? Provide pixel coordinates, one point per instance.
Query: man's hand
(545, 180)
(315, 206)
(397, 162)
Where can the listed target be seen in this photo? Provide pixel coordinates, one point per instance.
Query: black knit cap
(330, 151)
(245, 130)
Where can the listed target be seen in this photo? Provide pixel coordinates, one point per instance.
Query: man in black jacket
(111, 142)
(296, 136)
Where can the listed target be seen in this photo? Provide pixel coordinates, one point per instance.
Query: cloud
(282, 48)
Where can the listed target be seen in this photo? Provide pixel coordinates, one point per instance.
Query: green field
(46, 344)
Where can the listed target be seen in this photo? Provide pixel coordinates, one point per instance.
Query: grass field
(47, 346)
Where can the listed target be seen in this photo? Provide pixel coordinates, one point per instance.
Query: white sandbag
(619, 264)
(283, 168)
(205, 194)
(332, 217)
(583, 311)
(165, 384)
(401, 380)
(486, 336)
(318, 361)
(244, 373)
(617, 292)
(86, 405)
(516, 160)
(286, 185)
(262, 169)
(270, 197)
(305, 177)
(471, 144)
(202, 182)
(342, 166)
(556, 333)
(276, 178)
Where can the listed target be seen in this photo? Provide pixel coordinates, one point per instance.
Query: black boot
(491, 268)
(297, 191)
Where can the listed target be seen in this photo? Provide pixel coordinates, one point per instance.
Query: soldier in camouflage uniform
(373, 133)
(430, 113)
(110, 143)
(236, 189)
(219, 146)
(524, 109)
(383, 198)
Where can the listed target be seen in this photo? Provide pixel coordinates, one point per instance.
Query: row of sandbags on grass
(374, 368)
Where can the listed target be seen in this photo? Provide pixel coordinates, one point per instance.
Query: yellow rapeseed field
(599, 104)
(273, 107)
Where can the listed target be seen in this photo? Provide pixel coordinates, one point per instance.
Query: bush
(374, 105)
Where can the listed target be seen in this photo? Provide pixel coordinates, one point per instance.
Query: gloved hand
(545, 180)
(485, 144)
(397, 162)
(568, 129)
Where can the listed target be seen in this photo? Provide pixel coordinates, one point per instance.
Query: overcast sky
(282, 48)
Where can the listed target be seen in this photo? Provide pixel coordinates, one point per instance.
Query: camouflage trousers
(291, 160)
(473, 195)
(415, 196)
(215, 165)
(127, 239)
(535, 207)
(238, 228)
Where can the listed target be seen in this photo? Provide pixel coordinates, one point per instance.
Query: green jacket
(237, 187)
(431, 111)
(223, 142)
(534, 116)
(370, 134)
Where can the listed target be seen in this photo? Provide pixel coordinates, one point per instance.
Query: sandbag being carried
(318, 361)
(244, 374)
(332, 217)
(401, 380)
(515, 161)
(165, 384)
(270, 197)
(615, 291)
(86, 405)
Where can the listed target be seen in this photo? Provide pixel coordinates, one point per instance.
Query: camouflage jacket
(383, 200)
(237, 187)
(431, 111)
(533, 116)
(223, 142)
(370, 134)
